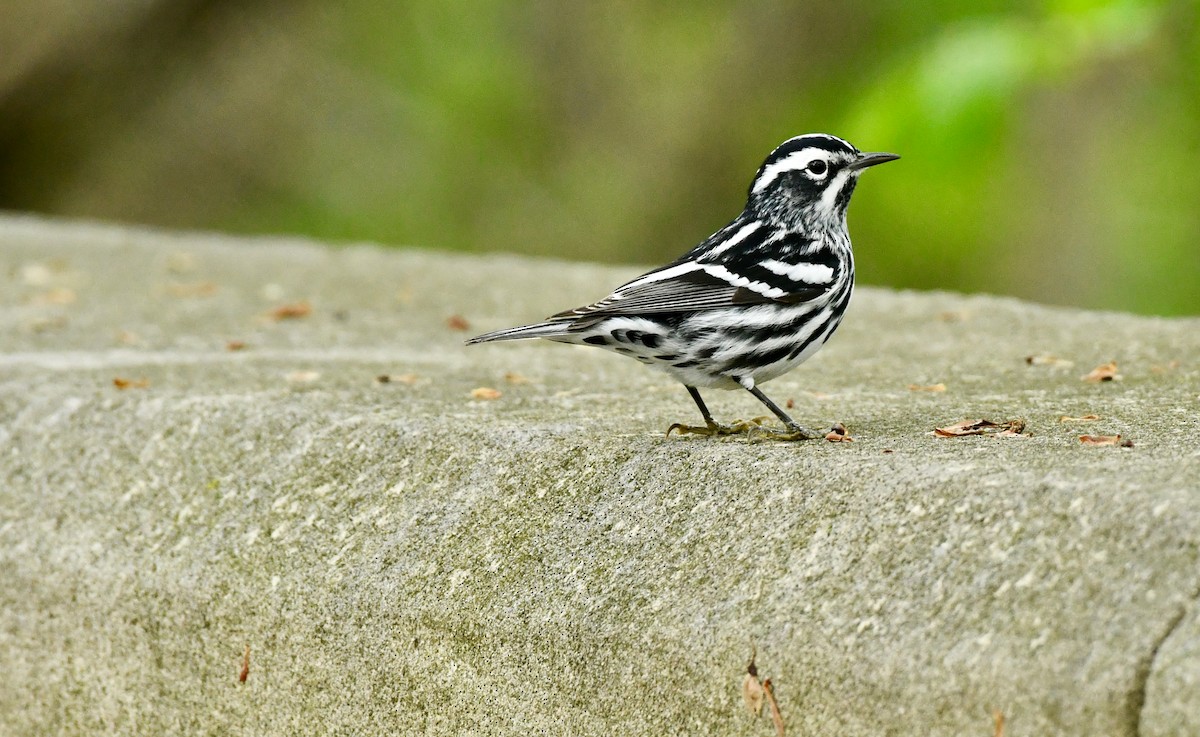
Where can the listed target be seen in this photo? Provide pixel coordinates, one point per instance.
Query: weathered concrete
(403, 559)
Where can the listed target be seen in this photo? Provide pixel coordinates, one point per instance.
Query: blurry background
(1051, 149)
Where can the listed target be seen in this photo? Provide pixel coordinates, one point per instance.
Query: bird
(752, 301)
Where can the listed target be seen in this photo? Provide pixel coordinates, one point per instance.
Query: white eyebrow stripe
(792, 162)
(808, 273)
(735, 239)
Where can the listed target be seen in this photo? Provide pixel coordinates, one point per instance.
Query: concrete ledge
(404, 558)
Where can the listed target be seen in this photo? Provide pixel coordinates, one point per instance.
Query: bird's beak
(865, 160)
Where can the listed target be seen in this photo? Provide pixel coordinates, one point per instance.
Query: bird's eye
(817, 167)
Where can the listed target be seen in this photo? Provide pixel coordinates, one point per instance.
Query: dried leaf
(513, 377)
(998, 721)
(130, 383)
(1046, 360)
(1105, 440)
(457, 322)
(235, 345)
(927, 388)
(409, 379)
(193, 289)
(291, 311)
(752, 690)
(303, 377)
(1103, 372)
(752, 694)
(245, 672)
(837, 434)
(485, 392)
(1012, 433)
(1012, 428)
(776, 716)
(790, 403)
(1085, 418)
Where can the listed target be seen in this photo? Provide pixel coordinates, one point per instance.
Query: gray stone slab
(403, 558)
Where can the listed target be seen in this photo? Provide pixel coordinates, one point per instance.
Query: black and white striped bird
(753, 301)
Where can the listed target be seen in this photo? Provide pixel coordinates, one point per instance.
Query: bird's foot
(792, 433)
(713, 429)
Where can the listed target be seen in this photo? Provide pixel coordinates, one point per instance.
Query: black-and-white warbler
(753, 301)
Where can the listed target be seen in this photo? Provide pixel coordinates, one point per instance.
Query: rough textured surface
(402, 558)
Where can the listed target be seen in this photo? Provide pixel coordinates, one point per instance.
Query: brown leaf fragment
(776, 716)
(121, 383)
(186, 290)
(752, 690)
(1084, 418)
(1011, 433)
(457, 322)
(1116, 440)
(998, 722)
(409, 379)
(837, 434)
(291, 311)
(1048, 360)
(1011, 428)
(235, 345)
(485, 393)
(513, 377)
(1103, 372)
(790, 403)
(245, 672)
(927, 387)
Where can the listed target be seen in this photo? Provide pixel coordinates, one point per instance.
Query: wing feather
(692, 287)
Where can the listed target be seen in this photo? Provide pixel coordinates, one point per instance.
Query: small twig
(776, 716)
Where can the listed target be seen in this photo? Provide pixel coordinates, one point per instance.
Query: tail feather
(549, 329)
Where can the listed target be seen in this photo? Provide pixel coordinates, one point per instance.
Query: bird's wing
(692, 286)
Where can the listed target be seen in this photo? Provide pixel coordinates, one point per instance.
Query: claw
(793, 433)
(711, 430)
(753, 429)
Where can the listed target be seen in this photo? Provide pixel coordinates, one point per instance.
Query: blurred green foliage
(1051, 149)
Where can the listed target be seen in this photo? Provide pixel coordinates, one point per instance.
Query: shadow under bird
(753, 301)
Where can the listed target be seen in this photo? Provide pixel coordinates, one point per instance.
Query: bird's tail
(550, 329)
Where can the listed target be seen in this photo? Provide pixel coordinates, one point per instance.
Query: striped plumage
(754, 300)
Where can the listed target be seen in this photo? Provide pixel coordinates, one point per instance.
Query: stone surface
(403, 558)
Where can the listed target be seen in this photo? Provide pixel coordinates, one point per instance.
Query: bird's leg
(711, 427)
(794, 431)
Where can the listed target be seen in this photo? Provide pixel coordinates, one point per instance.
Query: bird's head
(807, 181)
